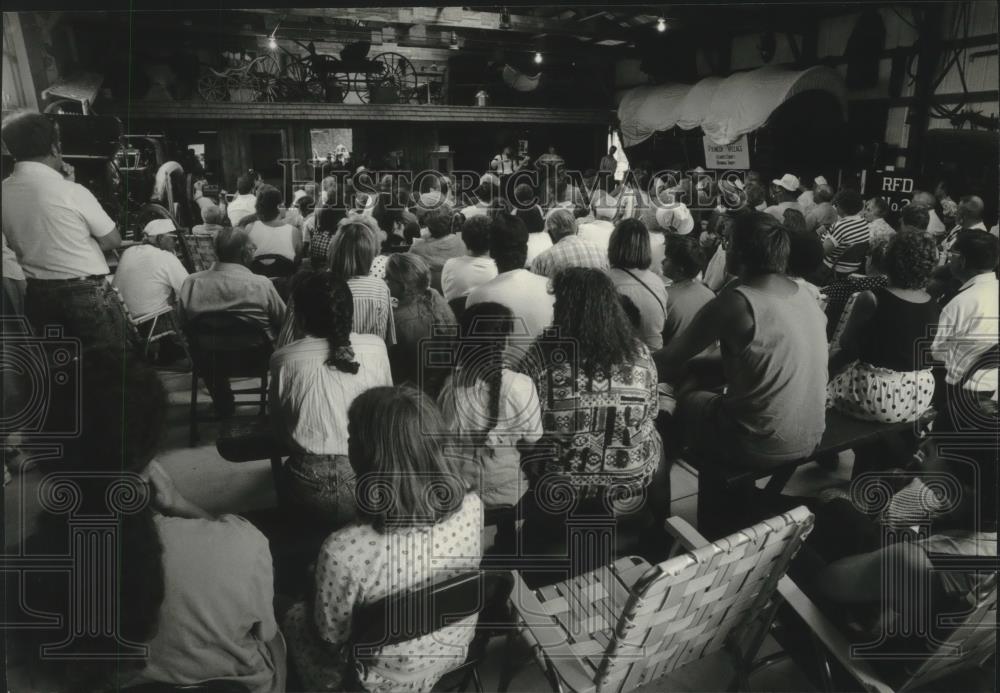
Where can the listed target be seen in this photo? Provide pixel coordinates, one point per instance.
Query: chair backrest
(201, 250)
(272, 266)
(226, 332)
(692, 605)
(966, 646)
(416, 613)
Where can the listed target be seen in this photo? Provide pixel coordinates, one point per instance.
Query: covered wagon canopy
(724, 108)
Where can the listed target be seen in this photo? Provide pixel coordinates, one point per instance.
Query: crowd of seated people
(562, 323)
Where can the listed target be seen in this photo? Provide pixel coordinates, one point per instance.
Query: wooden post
(928, 59)
(21, 82)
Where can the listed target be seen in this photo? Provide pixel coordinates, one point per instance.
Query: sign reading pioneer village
(729, 156)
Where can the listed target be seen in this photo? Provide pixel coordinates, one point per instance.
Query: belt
(93, 278)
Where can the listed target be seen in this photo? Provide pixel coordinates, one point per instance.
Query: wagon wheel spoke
(212, 88)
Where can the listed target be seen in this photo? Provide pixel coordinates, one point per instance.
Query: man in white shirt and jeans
(968, 329)
(60, 233)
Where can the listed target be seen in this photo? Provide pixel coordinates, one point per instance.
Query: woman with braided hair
(313, 382)
(492, 409)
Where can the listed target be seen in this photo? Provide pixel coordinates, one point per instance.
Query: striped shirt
(847, 232)
(571, 251)
(372, 308)
(372, 312)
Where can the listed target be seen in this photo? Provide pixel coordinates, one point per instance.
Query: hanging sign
(896, 186)
(727, 156)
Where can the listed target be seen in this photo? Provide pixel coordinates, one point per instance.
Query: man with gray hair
(822, 212)
(969, 217)
(935, 226)
(213, 217)
(568, 249)
(230, 287)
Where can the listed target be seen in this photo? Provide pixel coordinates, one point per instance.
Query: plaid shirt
(570, 251)
(319, 248)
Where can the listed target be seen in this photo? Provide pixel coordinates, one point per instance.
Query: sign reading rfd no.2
(895, 187)
(727, 156)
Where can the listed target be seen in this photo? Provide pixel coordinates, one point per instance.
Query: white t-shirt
(11, 268)
(53, 224)
(597, 231)
(272, 240)
(538, 243)
(476, 210)
(460, 275)
(967, 329)
(526, 294)
(149, 279)
(241, 206)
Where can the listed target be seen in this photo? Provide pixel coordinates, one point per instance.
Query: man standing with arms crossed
(60, 233)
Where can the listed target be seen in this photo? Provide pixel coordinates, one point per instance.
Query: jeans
(322, 488)
(86, 308)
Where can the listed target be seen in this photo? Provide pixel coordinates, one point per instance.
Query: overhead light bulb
(272, 43)
(538, 58)
(661, 24)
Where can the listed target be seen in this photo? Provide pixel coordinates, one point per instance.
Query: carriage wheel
(243, 87)
(393, 71)
(301, 83)
(211, 87)
(267, 72)
(338, 86)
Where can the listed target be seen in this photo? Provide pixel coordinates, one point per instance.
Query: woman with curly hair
(417, 523)
(419, 309)
(313, 382)
(879, 373)
(597, 384)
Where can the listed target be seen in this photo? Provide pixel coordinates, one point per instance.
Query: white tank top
(272, 240)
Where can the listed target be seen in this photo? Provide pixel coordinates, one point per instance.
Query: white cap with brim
(158, 227)
(820, 180)
(788, 182)
(676, 218)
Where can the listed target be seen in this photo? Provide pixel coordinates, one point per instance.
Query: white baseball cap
(676, 218)
(158, 227)
(788, 182)
(820, 180)
(298, 195)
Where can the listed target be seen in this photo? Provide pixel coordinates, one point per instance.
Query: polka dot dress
(879, 394)
(358, 565)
